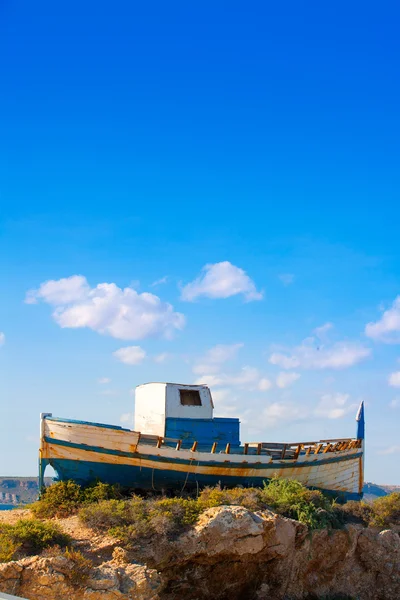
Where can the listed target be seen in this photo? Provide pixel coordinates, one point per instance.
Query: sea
(6, 506)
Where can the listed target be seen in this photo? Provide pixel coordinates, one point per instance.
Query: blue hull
(143, 478)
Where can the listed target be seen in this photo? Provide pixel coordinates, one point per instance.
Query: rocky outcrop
(58, 578)
(232, 554)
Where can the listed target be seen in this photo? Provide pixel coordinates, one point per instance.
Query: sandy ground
(98, 546)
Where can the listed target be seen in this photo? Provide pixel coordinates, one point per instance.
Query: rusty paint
(297, 451)
(360, 475)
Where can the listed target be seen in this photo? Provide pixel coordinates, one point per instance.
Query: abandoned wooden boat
(178, 444)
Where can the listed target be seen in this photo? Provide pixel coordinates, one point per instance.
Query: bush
(247, 497)
(386, 511)
(100, 491)
(82, 567)
(106, 514)
(63, 499)
(293, 499)
(29, 536)
(138, 518)
(8, 548)
(357, 512)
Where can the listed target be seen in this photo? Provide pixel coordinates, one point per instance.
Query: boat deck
(279, 451)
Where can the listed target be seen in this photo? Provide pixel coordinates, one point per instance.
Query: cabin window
(190, 397)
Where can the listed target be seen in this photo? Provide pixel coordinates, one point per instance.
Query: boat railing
(288, 450)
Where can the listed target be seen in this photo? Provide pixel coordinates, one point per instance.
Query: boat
(177, 444)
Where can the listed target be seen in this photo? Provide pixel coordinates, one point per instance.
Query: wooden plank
(318, 448)
(297, 451)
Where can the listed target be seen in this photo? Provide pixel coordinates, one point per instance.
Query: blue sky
(146, 141)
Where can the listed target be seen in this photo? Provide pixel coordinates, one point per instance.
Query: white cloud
(212, 380)
(286, 278)
(394, 379)
(281, 411)
(67, 290)
(225, 402)
(247, 376)
(2, 338)
(313, 355)
(395, 403)
(390, 450)
(103, 380)
(126, 418)
(161, 358)
(284, 380)
(320, 332)
(121, 313)
(334, 406)
(221, 395)
(221, 280)
(160, 281)
(387, 328)
(108, 393)
(130, 355)
(264, 384)
(217, 355)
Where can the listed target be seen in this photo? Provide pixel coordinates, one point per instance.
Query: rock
(103, 578)
(120, 556)
(51, 578)
(230, 554)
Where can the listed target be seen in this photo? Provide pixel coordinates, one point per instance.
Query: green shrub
(357, 512)
(137, 518)
(8, 547)
(293, 499)
(61, 499)
(81, 569)
(29, 536)
(247, 497)
(64, 498)
(100, 491)
(106, 514)
(386, 511)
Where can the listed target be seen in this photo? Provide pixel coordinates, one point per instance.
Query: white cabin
(157, 402)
